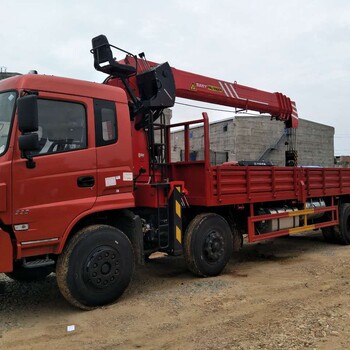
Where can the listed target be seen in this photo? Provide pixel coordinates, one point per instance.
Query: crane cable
(219, 110)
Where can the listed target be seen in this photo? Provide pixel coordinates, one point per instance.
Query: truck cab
(81, 165)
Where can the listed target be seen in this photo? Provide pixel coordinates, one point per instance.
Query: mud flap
(134, 230)
(6, 252)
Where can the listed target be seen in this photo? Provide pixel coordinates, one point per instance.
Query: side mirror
(27, 110)
(28, 142)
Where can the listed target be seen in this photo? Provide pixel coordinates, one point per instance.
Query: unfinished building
(258, 138)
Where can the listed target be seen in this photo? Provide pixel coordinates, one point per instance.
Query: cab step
(38, 263)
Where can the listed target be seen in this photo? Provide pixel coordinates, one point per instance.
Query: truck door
(62, 185)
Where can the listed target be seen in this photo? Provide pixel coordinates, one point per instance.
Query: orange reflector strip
(178, 234)
(301, 229)
(301, 212)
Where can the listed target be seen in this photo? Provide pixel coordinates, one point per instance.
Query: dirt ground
(287, 293)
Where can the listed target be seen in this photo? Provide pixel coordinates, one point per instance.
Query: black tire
(330, 235)
(237, 240)
(23, 274)
(208, 244)
(343, 233)
(95, 267)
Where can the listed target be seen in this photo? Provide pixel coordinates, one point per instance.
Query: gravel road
(288, 293)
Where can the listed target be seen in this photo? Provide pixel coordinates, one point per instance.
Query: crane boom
(205, 89)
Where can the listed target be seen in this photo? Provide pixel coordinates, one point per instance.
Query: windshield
(7, 104)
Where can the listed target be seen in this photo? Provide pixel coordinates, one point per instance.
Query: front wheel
(208, 244)
(95, 267)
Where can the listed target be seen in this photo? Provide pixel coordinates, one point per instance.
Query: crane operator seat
(101, 49)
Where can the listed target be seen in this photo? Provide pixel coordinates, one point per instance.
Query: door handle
(86, 181)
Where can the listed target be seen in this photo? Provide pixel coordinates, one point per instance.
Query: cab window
(105, 122)
(62, 126)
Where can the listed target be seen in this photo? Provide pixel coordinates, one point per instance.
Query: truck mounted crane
(89, 189)
(205, 89)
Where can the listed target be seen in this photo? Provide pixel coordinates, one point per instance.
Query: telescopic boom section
(201, 88)
(205, 89)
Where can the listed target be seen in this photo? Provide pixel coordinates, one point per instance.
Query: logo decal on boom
(194, 87)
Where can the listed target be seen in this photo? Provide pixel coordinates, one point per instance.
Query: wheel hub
(103, 267)
(214, 246)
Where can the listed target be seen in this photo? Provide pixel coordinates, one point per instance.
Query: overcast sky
(298, 47)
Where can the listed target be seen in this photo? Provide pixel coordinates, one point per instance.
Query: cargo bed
(225, 184)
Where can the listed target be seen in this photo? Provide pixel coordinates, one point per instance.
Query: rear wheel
(95, 267)
(343, 234)
(208, 244)
(237, 239)
(329, 234)
(339, 233)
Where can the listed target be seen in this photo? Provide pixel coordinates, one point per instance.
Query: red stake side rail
(229, 185)
(235, 184)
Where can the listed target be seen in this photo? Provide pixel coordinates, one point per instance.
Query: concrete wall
(254, 135)
(315, 143)
(248, 138)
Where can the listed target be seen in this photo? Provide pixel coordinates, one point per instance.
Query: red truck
(88, 187)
